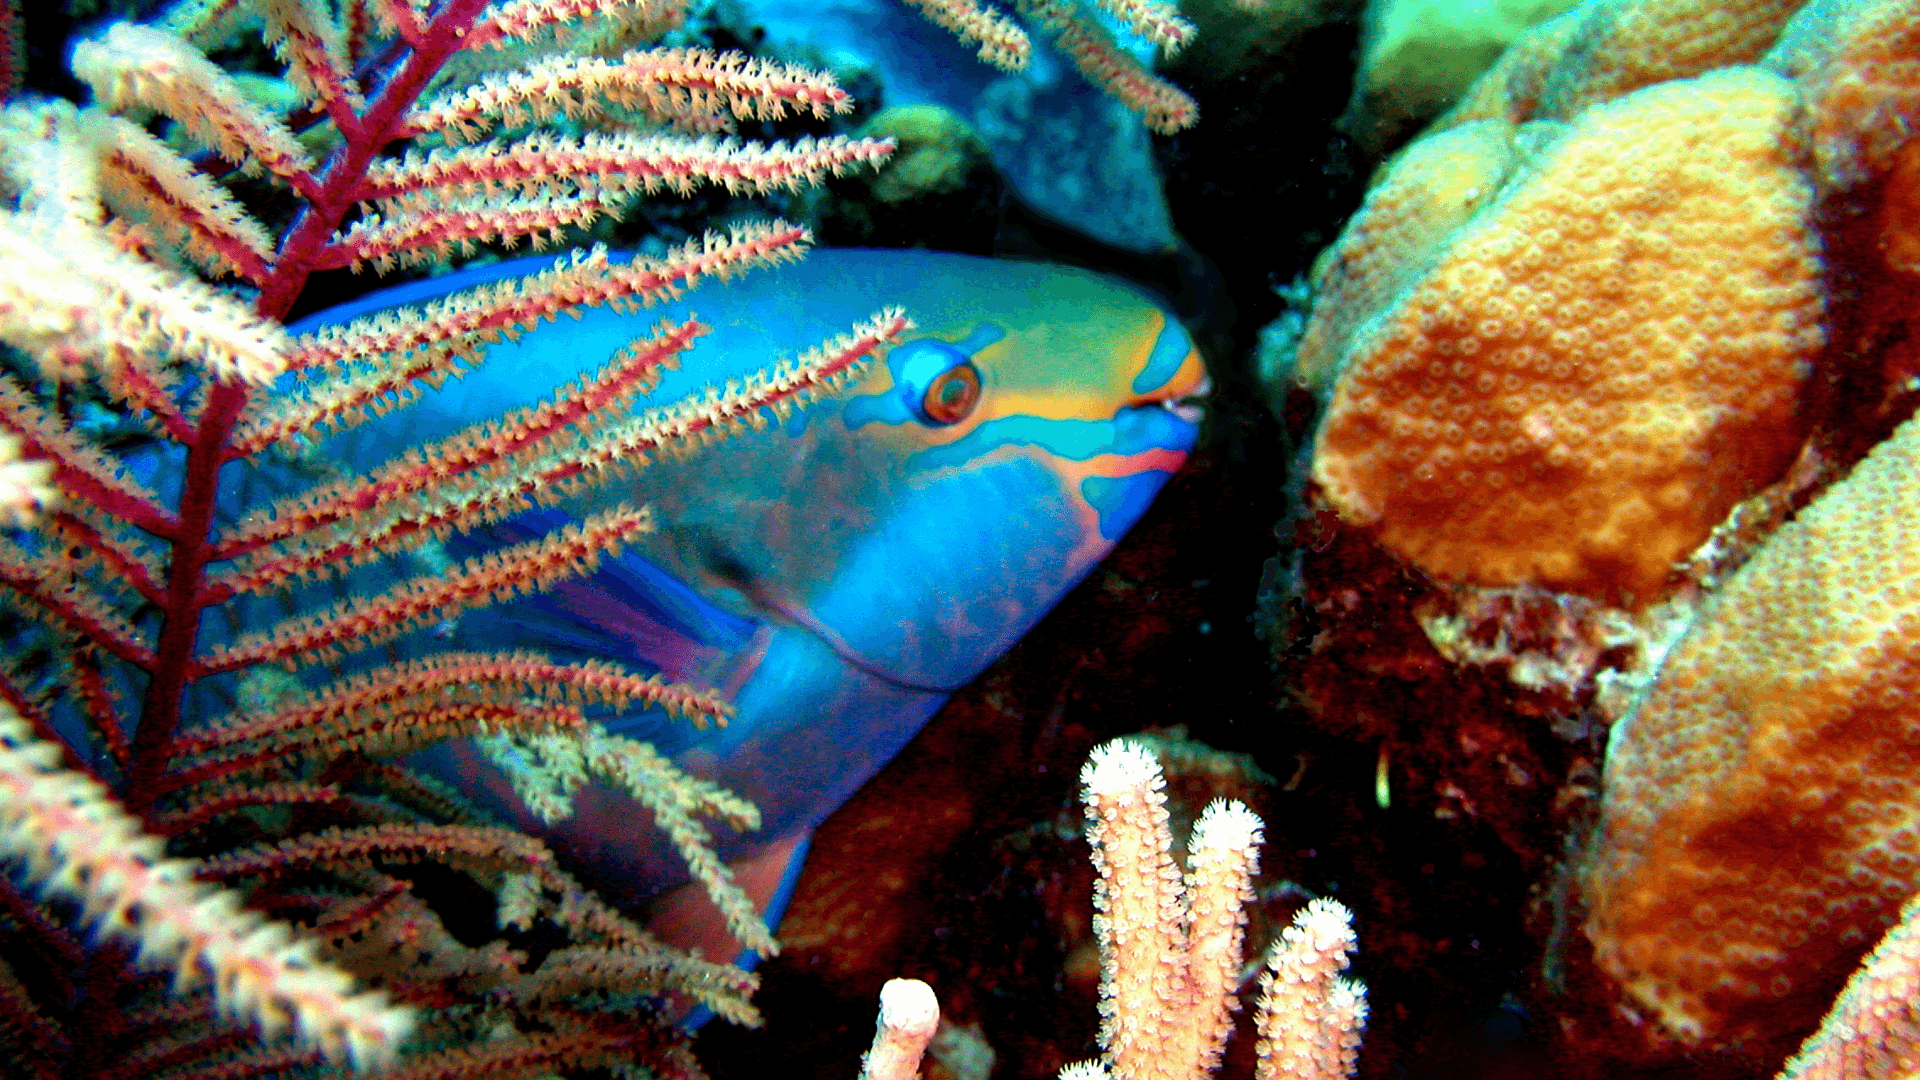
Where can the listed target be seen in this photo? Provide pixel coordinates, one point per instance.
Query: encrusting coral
(1873, 1030)
(1602, 49)
(253, 830)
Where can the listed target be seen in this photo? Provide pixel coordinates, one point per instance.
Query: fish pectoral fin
(686, 918)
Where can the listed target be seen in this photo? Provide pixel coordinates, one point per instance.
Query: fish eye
(940, 385)
(952, 396)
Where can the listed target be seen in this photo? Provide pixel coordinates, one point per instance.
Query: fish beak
(1185, 393)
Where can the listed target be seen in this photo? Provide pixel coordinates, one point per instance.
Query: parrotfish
(842, 571)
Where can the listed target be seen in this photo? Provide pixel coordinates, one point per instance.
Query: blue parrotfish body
(841, 572)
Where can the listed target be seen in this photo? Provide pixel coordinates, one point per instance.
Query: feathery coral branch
(281, 794)
(461, 323)
(72, 296)
(526, 21)
(305, 36)
(26, 486)
(416, 236)
(481, 677)
(144, 67)
(399, 732)
(441, 469)
(139, 171)
(1103, 63)
(337, 846)
(101, 224)
(79, 469)
(1002, 43)
(79, 843)
(625, 161)
(546, 771)
(361, 623)
(131, 568)
(679, 425)
(691, 88)
(63, 601)
(1158, 22)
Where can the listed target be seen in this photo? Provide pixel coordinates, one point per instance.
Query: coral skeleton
(1170, 945)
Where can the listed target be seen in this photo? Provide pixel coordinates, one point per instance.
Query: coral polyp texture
(1761, 823)
(1600, 362)
(1603, 49)
(1616, 48)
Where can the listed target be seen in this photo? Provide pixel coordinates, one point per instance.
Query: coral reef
(321, 905)
(1601, 362)
(1754, 834)
(1170, 943)
(1759, 824)
(1605, 48)
(1873, 1030)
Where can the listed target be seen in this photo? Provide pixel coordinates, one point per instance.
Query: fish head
(924, 521)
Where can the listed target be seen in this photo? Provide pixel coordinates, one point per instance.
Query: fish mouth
(1190, 406)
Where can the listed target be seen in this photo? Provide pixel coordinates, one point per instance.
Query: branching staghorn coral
(1170, 946)
(197, 758)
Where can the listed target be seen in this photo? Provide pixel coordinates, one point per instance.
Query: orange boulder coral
(1606, 48)
(1408, 218)
(1761, 823)
(1623, 45)
(1601, 363)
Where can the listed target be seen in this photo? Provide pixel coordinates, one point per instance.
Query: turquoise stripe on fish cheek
(1136, 431)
